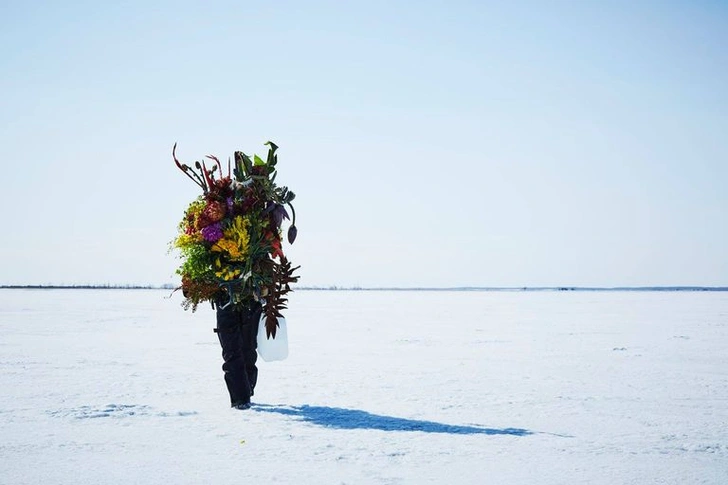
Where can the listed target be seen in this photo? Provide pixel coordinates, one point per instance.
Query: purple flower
(277, 213)
(212, 233)
(229, 201)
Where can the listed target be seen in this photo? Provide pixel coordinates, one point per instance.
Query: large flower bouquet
(230, 236)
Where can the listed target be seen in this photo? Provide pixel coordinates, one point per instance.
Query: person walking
(230, 239)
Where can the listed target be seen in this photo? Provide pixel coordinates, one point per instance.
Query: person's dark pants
(237, 330)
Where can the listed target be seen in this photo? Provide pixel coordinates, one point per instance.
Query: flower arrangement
(230, 236)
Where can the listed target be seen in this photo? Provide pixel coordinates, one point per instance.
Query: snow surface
(123, 386)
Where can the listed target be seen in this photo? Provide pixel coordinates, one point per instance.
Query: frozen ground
(113, 386)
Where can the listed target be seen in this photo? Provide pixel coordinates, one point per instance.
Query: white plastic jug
(271, 349)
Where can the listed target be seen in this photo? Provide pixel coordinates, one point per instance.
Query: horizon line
(169, 286)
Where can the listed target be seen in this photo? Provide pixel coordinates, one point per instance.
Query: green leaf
(272, 157)
(242, 166)
(248, 164)
(258, 161)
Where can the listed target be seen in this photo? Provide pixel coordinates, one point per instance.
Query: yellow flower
(238, 231)
(229, 247)
(235, 241)
(186, 240)
(227, 274)
(191, 214)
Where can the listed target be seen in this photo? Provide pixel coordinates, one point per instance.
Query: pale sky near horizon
(429, 143)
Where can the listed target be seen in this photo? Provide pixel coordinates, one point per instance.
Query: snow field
(123, 386)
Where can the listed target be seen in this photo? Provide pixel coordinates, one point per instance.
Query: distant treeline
(357, 288)
(88, 287)
(523, 288)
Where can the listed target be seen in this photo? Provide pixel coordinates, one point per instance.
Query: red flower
(277, 251)
(275, 245)
(214, 211)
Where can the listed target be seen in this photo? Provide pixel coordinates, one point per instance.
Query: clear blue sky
(430, 143)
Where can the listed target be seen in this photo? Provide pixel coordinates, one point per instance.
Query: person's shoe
(241, 405)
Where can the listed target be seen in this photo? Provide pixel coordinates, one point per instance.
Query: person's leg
(249, 332)
(230, 333)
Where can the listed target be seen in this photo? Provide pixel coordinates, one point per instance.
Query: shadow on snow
(340, 418)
